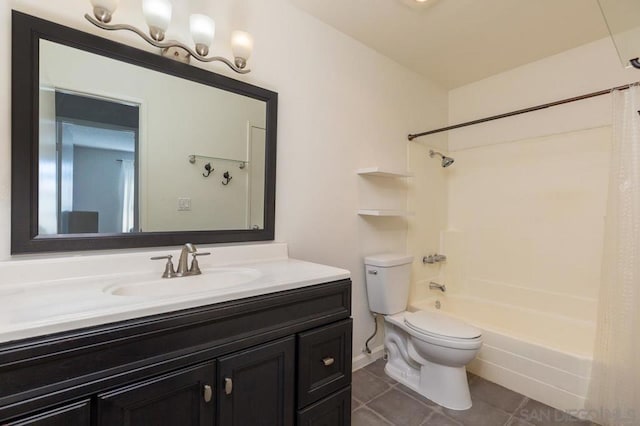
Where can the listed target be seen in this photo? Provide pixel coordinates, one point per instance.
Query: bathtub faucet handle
(434, 258)
(428, 259)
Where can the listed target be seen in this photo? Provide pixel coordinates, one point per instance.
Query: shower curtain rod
(518, 112)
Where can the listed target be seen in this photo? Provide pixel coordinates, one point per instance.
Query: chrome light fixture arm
(167, 45)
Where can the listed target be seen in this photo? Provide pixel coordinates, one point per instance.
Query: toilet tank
(388, 282)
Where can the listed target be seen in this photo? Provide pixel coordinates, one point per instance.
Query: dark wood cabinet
(184, 398)
(78, 414)
(256, 386)
(270, 360)
(334, 410)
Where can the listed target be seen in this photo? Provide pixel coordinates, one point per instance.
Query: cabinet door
(183, 398)
(78, 414)
(256, 386)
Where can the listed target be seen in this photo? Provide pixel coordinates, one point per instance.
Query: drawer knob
(328, 361)
(207, 393)
(228, 386)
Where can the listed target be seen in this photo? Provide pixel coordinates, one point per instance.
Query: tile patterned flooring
(378, 400)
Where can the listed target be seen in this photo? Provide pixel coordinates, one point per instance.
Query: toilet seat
(436, 325)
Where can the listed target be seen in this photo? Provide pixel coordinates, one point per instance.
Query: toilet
(427, 350)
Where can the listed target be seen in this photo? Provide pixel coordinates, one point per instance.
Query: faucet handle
(195, 267)
(434, 258)
(169, 271)
(429, 259)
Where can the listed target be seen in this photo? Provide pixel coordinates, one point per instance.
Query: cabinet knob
(328, 361)
(228, 386)
(207, 393)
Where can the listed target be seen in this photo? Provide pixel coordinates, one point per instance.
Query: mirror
(115, 147)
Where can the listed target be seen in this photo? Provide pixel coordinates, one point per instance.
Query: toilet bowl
(432, 360)
(427, 351)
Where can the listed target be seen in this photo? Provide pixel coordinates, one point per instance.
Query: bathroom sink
(214, 279)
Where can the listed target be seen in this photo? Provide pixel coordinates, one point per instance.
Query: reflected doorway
(97, 153)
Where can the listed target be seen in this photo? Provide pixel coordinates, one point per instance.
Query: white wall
(428, 198)
(342, 106)
(526, 196)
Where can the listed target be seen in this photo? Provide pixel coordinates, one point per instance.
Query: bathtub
(543, 356)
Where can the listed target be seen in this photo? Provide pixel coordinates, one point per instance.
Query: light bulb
(203, 30)
(158, 16)
(242, 46)
(103, 9)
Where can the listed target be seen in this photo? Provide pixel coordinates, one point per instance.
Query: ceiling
(455, 42)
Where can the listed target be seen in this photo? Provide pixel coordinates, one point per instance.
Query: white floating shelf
(397, 213)
(379, 171)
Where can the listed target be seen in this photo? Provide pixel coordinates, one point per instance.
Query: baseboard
(365, 359)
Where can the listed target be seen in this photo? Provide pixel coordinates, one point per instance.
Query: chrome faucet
(183, 269)
(435, 286)
(183, 265)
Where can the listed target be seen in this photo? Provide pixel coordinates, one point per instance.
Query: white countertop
(45, 306)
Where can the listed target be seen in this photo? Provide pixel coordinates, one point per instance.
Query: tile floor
(378, 400)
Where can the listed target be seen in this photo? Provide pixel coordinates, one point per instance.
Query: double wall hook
(228, 178)
(208, 169)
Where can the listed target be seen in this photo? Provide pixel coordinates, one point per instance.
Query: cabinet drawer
(324, 361)
(334, 410)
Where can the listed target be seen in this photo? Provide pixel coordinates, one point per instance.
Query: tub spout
(435, 286)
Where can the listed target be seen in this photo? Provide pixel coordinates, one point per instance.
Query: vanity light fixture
(157, 14)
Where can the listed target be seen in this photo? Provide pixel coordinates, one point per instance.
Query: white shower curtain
(127, 185)
(614, 394)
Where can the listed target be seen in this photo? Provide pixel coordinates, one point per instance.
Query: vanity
(274, 349)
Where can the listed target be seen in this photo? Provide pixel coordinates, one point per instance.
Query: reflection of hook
(228, 177)
(208, 169)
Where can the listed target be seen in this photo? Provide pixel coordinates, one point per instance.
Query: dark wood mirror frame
(27, 31)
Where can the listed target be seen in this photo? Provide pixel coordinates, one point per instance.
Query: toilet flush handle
(372, 272)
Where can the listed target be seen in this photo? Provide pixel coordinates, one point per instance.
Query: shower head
(446, 161)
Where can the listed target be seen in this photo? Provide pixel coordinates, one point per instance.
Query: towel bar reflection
(241, 163)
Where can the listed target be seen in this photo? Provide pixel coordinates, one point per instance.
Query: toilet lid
(441, 324)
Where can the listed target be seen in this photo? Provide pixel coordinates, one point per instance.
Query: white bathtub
(540, 355)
